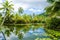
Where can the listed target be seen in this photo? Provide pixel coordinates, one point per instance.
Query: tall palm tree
(20, 10)
(7, 9)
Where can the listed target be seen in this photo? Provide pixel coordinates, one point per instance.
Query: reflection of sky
(1, 36)
(29, 6)
(12, 37)
(39, 31)
(30, 34)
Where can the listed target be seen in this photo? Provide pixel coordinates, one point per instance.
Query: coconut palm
(7, 9)
(20, 10)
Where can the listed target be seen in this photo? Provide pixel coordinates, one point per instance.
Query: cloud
(0, 5)
(34, 10)
(29, 1)
(38, 4)
(17, 5)
(0, 1)
(29, 5)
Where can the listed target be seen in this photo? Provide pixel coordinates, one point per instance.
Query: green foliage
(24, 19)
(53, 23)
(43, 39)
(48, 19)
(9, 20)
(20, 36)
(7, 9)
(7, 33)
(53, 34)
(16, 18)
(53, 9)
(0, 18)
(51, 1)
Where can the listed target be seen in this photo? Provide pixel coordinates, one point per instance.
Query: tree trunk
(4, 19)
(3, 35)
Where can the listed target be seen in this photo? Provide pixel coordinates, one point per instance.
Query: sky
(29, 6)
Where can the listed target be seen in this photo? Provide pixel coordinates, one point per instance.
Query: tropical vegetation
(50, 19)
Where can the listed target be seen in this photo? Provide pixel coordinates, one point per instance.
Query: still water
(25, 32)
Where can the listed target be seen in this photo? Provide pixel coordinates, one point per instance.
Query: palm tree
(7, 9)
(51, 1)
(20, 10)
(54, 8)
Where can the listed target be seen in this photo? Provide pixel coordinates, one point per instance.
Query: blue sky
(29, 6)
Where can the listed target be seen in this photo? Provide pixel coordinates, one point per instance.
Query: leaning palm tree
(7, 9)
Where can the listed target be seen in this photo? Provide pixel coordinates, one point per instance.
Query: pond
(25, 32)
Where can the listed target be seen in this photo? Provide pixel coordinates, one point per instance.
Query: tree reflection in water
(20, 31)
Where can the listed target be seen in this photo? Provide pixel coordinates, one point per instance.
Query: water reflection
(2, 36)
(24, 32)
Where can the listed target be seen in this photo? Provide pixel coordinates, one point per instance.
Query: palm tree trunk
(4, 19)
(3, 35)
(2, 24)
